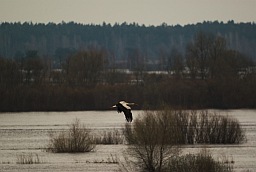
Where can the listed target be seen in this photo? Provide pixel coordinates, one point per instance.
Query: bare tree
(85, 67)
(217, 51)
(33, 67)
(198, 55)
(10, 75)
(176, 63)
(137, 64)
(152, 140)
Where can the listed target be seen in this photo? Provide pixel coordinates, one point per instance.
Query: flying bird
(123, 106)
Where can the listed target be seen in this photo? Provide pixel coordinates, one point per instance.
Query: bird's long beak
(113, 106)
(133, 104)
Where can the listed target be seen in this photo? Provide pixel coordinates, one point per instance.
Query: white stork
(123, 106)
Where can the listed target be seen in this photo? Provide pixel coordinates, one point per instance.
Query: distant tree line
(121, 41)
(208, 75)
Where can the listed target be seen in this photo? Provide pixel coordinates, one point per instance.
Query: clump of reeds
(110, 137)
(28, 159)
(76, 139)
(202, 161)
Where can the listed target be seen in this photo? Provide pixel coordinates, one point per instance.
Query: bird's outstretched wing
(128, 115)
(125, 104)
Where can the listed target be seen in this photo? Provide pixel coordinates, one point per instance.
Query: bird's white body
(123, 106)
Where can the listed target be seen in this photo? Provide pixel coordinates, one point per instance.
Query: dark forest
(69, 66)
(120, 40)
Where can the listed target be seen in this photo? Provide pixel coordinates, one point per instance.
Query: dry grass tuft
(28, 159)
(110, 138)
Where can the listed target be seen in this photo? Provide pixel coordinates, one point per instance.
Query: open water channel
(28, 134)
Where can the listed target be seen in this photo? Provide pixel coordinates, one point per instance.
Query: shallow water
(28, 133)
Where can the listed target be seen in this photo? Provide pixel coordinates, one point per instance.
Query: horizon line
(129, 23)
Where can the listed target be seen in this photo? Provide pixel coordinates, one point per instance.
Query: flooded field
(28, 134)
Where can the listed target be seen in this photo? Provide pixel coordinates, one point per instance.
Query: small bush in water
(208, 128)
(191, 127)
(152, 140)
(202, 161)
(76, 139)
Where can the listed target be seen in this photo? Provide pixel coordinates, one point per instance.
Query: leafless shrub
(127, 164)
(76, 139)
(202, 161)
(209, 128)
(152, 140)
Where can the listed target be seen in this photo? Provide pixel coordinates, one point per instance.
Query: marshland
(195, 110)
(25, 139)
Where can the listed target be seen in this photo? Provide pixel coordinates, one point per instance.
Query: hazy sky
(148, 12)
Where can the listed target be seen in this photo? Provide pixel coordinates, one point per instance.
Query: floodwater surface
(27, 134)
